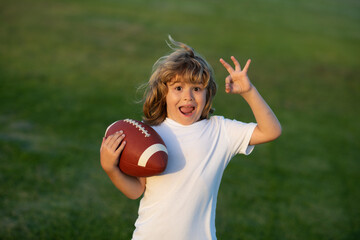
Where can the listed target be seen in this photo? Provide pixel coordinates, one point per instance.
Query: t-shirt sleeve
(239, 135)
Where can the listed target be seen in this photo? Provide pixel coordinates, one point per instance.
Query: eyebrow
(173, 82)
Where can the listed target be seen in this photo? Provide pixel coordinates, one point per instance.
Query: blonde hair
(183, 62)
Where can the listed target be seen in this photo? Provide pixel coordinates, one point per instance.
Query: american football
(145, 153)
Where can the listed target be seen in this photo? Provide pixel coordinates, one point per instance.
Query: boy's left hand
(237, 82)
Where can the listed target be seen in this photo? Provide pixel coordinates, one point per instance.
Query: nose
(188, 95)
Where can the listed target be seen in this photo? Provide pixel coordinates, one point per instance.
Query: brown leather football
(145, 153)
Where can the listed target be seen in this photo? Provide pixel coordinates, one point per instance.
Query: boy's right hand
(110, 151)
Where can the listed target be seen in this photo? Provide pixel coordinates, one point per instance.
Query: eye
(178, 88)
(197, 89)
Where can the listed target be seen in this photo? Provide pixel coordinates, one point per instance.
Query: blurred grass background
(70, 68)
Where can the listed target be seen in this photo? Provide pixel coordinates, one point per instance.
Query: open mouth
(187, 110)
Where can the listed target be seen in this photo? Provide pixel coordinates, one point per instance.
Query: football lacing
(138, 126)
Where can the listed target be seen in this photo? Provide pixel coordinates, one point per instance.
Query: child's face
(185, 101)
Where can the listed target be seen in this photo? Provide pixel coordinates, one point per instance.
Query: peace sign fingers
(231, 70)
(237, 81)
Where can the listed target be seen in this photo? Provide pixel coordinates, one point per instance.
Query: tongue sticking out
(186, 110)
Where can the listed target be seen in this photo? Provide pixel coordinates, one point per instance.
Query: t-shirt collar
(176, 124)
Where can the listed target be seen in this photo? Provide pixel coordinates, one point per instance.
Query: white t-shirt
(180, 203)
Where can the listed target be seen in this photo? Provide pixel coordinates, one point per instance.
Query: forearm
(268, 126)
(110, 151)
(238, 82)
(132, 187)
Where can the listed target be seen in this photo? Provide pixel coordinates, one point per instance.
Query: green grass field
(70, 68)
